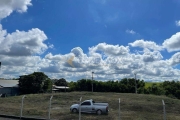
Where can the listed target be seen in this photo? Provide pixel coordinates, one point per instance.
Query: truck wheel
(74, 110)
(99, 112)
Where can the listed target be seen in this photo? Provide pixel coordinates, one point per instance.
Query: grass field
(149, 84)
(133, 106)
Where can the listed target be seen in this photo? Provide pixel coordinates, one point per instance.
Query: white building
(9, 87)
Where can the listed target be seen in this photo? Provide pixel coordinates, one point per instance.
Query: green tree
(34, 83)
(61, 82)
(72, 85)
(177, 94)
(47, 87)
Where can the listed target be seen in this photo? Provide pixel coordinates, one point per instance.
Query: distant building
(9, 87)
(60, 88)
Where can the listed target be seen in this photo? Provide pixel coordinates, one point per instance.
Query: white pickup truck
(89, 106)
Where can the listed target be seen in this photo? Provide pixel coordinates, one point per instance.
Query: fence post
(164, 110)
(22, 103)
(49, 113)
(80, 109)
(119, 110)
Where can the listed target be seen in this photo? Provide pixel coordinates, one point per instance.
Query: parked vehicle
(89, 106)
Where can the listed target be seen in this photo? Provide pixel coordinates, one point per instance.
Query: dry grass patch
(133, 106)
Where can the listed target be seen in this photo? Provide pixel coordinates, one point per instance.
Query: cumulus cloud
(177, 23)
(16, 66)
(113, 50)
(130, 31)
(19, 49)
(28, 61)
(57, 57)
(147, 64)
(175, 59)
(8, 6)
(173, 43)
(149, 56)
(21, 43)
(78, 52)
(146, 44)
(51, 69)
(21, 53)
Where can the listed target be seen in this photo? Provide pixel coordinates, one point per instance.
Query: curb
(22, 118)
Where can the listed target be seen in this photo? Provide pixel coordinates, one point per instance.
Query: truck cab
(89, 106)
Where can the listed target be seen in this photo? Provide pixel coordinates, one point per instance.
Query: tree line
(128, 85)
(38, 82)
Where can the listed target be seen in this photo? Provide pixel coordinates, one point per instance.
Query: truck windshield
(86, 103)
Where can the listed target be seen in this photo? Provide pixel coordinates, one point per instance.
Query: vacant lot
(133, 107)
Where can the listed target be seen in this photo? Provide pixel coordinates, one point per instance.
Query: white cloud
(20, 54)
(19, 49)
(149, 56)
(175, 59)
(146, 44)
(21, 43)
(57, 57)
(177, 23)
(78, 52)
(28, 61)
(8, 6)
(173, 43)
(130, 31)
(148, 65)
(114, 50)
(16, 66)
(51, 46)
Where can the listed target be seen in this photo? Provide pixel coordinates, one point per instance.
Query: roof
(61, 87)
(9, 83)
(55, 89)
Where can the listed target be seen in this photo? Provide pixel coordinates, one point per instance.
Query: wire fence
(53, 107)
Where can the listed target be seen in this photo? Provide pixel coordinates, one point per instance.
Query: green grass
(133, 106)
(149, 84)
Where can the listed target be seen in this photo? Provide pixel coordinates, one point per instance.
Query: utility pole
(92, 81)
(135, 83)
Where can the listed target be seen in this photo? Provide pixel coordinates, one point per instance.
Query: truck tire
(98, 112)
(74, 110)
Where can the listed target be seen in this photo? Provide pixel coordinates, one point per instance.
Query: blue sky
(47, 33)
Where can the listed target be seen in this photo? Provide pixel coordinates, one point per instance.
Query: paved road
(2, 118)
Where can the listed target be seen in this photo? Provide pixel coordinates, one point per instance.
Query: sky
(70, 39)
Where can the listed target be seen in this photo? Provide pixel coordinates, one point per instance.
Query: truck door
(86, 106)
